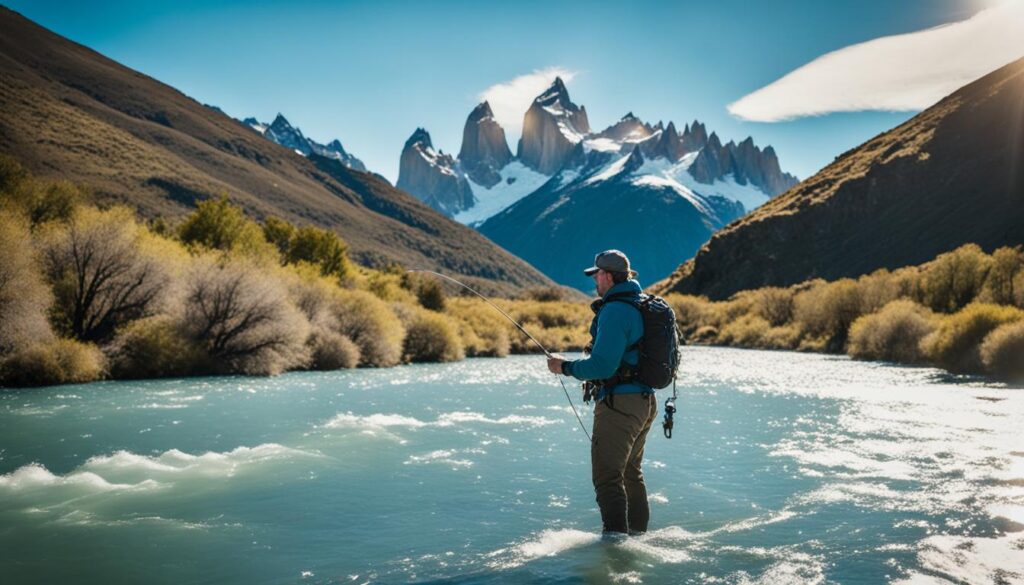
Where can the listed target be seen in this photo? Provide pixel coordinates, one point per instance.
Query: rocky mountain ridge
(557, 136)
(282, 132)
(67, 112)
(951, 175)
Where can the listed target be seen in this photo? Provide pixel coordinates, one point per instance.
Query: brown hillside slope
(952, 174)
(68, 112)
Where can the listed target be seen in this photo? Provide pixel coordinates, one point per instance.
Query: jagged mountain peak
(635, 160)
(282, 132)
(481, 111)
(420, 135)
(433, 176)
(551, 127)
(280, 120)
(484, 149)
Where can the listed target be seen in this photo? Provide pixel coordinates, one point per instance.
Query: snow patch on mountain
(601, 145)
(749, 195)
(517, 181)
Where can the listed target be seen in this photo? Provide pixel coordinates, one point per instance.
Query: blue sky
(369, 73)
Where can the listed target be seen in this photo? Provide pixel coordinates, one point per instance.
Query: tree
(102, 272)
(1000, 286)
(24, 297)
(243, 318)
(954, 279)
(322, 248)
(279, 233)
(217, 224)
(39, 200)
(430, 295)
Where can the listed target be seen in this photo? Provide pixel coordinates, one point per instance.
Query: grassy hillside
(954, 174)
(68, 112)
(89, 292)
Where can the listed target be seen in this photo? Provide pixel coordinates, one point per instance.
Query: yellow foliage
(1002, 352)
(955, 344)
(57, 361)
(892, 334)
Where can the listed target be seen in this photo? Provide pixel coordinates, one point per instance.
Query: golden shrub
(825, 312)
(1001, 285)
(892, 334)
(153, 348)
(430, 336)
(371, 324)
(1002, 352)
(57, 361)
(746, 331)
(24, 297)
(332, 351)
(954, 279)
(483, 330)
(692, 313)
(956, 344)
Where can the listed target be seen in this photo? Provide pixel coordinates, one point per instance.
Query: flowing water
(784, 468)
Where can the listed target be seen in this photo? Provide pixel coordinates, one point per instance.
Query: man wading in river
(626, 407)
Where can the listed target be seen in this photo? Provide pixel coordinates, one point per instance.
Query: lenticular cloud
(905, 72)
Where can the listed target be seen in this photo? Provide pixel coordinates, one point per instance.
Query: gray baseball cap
(612, 261)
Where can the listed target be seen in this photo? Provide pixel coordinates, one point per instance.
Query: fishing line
(525, 332)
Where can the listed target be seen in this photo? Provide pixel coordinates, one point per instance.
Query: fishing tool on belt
(670, 409)
(523, 330)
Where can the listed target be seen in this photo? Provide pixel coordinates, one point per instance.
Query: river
(784, 468)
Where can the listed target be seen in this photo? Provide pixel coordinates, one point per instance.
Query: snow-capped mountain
(648, 208)
(288, 136)
(546, 197)
(432, 175)
(551, 128)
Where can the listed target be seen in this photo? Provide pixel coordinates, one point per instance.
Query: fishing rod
(525, 332)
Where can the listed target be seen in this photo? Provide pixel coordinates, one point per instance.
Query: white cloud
(510, 99)
(896, 73)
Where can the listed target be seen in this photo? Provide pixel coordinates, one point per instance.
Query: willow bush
(430, 336)
(330, 350)
(484, 332)
(955, 343)
(104, 272)
(371, 324)
(243, 320)
(156, 347)
(825, 312)
(24, 296)
(1002, 352)
(892, 334)
(57, 361)
(955, 279)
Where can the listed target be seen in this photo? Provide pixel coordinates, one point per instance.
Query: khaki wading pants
(616, 453)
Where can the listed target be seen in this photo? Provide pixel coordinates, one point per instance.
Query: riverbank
(90, 293)
(961, 312)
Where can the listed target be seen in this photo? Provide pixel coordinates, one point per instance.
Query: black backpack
(659, 345)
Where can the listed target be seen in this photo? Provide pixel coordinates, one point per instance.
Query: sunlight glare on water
(784, 468)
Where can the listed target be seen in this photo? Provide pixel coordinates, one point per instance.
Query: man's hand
(555, 363)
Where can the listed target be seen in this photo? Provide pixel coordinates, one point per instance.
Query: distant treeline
(89, 293)
(962, 312)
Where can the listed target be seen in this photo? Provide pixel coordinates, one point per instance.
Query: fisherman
(626, 408)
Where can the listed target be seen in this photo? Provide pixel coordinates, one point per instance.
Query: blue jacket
(618, 326)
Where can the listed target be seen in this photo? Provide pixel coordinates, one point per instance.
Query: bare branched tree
(245, 322)
(101, 275)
